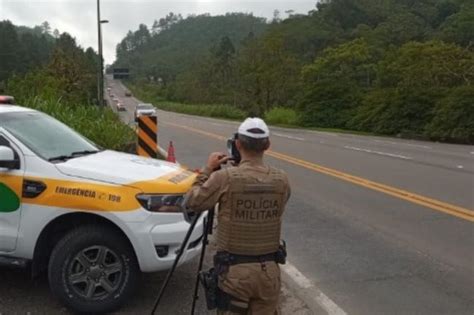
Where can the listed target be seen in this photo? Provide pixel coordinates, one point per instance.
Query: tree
(9, 49)
(22, 49)
(267, 75)
(411, 81)
(453, 118)
(224, 55)
(334, 83)
(45, 27)
(381, 66)
(399, 29)
(459, 27)
(276, 16)
(433, 64)
(74, 69)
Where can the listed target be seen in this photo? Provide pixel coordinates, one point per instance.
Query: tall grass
(282, 116)
(100, 125)
(208, 110)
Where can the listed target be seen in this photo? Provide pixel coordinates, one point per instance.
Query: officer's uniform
(251, 198)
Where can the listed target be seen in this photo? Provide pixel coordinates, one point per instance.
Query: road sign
(147, 144)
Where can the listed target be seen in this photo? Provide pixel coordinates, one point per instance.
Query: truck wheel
(92, 269)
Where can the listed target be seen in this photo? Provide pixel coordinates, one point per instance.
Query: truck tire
(93, 269)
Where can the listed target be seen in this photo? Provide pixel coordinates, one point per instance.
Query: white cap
(254, 128)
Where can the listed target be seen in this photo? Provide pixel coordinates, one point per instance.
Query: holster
(280, 255)
(209, 280)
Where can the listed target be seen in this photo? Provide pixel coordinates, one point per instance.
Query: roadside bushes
(149, 94)
(209, 110)
(282, 116)
(100, 125)
(454, 117)
(393, 111)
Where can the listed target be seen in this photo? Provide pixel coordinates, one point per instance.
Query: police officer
(251, 199)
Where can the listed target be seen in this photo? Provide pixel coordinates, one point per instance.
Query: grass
(100, 125)
(207, 110)
(278, 116)
(282, 116)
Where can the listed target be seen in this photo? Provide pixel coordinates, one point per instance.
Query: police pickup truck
(91, 218)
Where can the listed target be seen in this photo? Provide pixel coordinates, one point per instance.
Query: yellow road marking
(434, 204)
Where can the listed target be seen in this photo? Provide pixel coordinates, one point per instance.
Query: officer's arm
(206, 190)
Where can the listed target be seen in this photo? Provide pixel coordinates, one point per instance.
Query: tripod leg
(201, 260)
(175, 263)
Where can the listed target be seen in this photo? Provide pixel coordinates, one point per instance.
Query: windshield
(145, 106)
(44, 135)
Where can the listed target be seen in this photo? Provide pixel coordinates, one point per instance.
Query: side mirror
(7, 158)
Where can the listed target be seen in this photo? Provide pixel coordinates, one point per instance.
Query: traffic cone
(171, 157)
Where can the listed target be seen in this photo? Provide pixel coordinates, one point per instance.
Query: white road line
(287, 136)
(460, 166)
(308, 292)
(402, 143)
(379, 153)
(472, 152)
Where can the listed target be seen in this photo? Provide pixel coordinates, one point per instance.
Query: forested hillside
(48, 71)
(390, 67)
(23, 48)
(38, 62)
(173, 45)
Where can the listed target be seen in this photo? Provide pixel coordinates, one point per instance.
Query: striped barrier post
(147, 144)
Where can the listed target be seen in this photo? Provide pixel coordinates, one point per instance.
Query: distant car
(128, 93)
(120, 107)
(144, 109)
(109, 89)
(6, 99)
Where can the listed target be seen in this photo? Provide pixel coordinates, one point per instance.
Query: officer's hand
(216, 159)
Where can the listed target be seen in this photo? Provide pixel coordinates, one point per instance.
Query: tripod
(207, 229)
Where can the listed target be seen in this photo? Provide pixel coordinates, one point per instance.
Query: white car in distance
(144, 109)
(120, 107)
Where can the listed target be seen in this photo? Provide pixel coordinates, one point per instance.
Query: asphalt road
(380, 225)
(23, 296)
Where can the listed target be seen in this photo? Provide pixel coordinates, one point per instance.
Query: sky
(79, 17)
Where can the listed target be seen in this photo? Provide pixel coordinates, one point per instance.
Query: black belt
(225, 258)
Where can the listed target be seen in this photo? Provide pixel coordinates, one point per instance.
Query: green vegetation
(62, 83)
(282, 116)
(173, 44)
(23, 48)
(394, 67)
(63, 71)
(100, 125)
(209, 110)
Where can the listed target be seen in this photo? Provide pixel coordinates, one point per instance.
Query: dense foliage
(54, 75)
(148, 94)
(63, 70)
(391, 67)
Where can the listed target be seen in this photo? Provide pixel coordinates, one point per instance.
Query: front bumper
(151, 238)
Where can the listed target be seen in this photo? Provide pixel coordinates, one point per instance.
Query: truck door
(11, 182)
